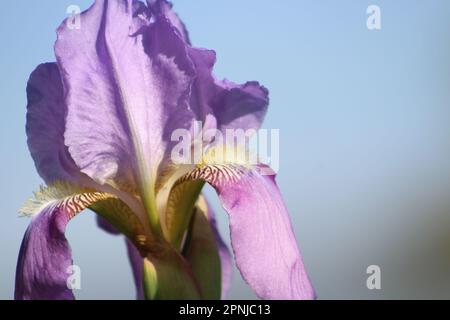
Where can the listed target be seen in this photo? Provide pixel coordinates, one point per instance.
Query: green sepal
(168, 276)
(202, 252)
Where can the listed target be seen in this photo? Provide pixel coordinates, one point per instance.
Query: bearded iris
(99, 123)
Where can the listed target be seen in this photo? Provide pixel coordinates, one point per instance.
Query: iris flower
(99, 124)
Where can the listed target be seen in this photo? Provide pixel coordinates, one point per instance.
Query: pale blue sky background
(365, 136)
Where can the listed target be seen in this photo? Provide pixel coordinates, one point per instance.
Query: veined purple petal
(264, 244)
(126, 90)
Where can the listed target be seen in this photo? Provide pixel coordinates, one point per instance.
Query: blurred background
(365, 137)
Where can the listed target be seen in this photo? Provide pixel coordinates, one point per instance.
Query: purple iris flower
(99, 126)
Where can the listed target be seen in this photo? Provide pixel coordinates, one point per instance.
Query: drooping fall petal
(45, 255)
(263, 241)
(44, 258)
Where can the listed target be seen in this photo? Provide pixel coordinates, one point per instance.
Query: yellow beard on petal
(66, 195)
(224, 154)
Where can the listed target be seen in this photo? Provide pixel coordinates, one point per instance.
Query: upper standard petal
(165, 8)
(130, 82)
(233, 106)
(126, 87)
(45, 127)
